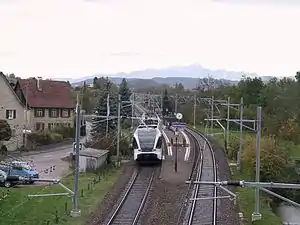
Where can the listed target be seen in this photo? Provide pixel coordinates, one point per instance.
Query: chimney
(38, 83)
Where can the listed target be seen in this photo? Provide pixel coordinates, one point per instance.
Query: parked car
(21, 170)
(8, 181)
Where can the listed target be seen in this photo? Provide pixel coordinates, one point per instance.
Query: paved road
(44, 161)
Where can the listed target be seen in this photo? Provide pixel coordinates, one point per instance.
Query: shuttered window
(11, 114)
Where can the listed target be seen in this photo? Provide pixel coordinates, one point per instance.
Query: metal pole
(256, 215)
(195, 105)
(149, 103)
(212, 114)
(118, 131)
(228, 124)
(241, 135)
(26, 117)
(176, 103)
(76, 211)
(132, 110)
(162, 104)
(176, 148)
(106, 133)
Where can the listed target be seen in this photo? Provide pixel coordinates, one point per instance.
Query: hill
(190, 76)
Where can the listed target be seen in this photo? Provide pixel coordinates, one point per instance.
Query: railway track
(203, 207)
(131, 205)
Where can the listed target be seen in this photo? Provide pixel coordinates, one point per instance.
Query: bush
(109, 143)
(44, 138)
(234, 145)
(274, 158)
(3, 150)
(5, 131)
(66, 132)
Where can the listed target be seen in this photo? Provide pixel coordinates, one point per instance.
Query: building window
(53, 112)
(65, 113)
(39, 112)
(39, 126)
(11, 114)
(51, 126)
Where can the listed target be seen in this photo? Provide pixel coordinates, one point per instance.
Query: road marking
(48, 156)
(187, 149)
(168, 143)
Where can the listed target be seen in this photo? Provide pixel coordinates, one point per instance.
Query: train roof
(147, 131)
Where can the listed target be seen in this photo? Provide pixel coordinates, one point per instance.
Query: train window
(134, 144)
(159, 143)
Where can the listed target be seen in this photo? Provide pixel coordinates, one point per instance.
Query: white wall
(82, 164)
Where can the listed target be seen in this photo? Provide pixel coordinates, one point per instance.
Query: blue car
(22, 170)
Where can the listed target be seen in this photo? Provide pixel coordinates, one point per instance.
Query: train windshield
(151, 122)
(147, 139)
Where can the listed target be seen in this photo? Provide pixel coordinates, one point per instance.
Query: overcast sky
(75, 38)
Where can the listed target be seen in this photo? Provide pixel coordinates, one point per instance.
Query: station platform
(184, 165)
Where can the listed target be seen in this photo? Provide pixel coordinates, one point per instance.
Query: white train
(147, 144)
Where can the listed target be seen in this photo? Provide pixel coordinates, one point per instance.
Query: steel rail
(133, 212)
(196, 134)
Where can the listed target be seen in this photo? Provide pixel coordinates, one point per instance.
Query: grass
(246, 200)
(296, 152)
(17, 208)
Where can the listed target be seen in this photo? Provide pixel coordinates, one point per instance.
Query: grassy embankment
(246, 199)
(17, 208)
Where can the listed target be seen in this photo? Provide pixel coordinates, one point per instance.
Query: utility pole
(76, 211)
(176, 103)
(132, 110)
(257, 215)
(118, 131)
(162, 104)
(149, 101)
(107, 105)
(195, 105)
(212, 114)
(176, 150)
(239, 161)
(26, 117)
(228, 123)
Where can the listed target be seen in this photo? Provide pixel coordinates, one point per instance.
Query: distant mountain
(189, 76)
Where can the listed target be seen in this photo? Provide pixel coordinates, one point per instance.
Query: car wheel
(7, 184)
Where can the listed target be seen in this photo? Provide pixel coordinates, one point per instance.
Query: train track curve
(132, 203)
(203, 206)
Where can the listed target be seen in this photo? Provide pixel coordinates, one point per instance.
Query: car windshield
(23, 165)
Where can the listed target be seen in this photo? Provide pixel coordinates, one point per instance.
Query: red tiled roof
(53, 94)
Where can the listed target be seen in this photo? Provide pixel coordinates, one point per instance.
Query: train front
(147, 145)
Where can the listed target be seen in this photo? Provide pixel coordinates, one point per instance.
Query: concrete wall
(90, 163)
(9, 100)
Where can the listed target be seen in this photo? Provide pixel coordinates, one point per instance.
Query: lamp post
(176, 149)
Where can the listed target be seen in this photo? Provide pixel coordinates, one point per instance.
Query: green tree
(99, 124)
(5, 135)
(125, 93)
(5, 131)
(95, 82)
(167, 104)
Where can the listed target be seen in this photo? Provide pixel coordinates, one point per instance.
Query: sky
(77, 38)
